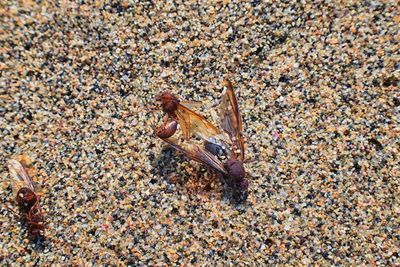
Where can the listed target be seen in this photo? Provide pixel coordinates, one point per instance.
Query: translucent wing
(194, 123)
(191, 104)
(19, 177)
(231, 120)
(198, 154)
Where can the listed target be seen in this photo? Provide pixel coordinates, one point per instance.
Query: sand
(318, 88)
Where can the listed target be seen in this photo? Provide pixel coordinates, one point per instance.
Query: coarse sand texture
(318, 88)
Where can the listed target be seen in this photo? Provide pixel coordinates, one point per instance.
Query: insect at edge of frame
(27, 199)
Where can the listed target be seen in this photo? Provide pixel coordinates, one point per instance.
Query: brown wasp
(27, 199)
(215, 143)
(177, 111)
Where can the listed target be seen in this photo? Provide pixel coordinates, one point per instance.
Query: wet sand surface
(318, 87)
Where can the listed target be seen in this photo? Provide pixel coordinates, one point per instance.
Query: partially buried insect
(180, 112)
(216, 144)
(27, 199)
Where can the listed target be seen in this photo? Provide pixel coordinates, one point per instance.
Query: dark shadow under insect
(166, 166)
(167, 162)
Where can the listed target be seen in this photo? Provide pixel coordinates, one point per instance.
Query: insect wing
(191, 104)
(209, 159)
(198, 154)
(193, 123)
(231, 120)
(19, 177)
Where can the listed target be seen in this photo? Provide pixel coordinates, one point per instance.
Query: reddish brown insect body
(167, 129)
(34, 221)
(169, 103)
(27, 199)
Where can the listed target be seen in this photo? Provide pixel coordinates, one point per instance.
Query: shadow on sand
(166, 164)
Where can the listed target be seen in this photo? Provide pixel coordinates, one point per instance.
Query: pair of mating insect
(228, 142)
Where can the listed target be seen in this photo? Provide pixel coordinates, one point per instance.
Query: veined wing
(191, 104)
(194, 123)
(19, 177)
(198, 154)
(231, 120)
